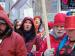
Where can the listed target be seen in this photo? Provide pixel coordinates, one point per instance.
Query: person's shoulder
(16, 35)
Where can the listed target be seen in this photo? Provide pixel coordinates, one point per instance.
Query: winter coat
(54, 43)
(36, 41)
(12, 43)
(13, 46)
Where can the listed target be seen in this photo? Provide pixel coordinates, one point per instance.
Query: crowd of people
(28, 38)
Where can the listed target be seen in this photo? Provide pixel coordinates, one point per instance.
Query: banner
(67, 4)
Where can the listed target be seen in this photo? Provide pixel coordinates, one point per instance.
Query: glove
(33, 49)
(49, 52)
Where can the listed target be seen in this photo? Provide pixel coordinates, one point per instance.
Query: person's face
(37, 21)
(59, 30)
(2, 28)
(18, 24)
(27, 25)
(71, 34)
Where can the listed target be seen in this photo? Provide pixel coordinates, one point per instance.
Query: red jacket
(36, 41)
(12, 44)
(54, 43)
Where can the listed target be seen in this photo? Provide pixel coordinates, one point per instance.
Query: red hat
(50, 24)
(59, 19)
(70, 22)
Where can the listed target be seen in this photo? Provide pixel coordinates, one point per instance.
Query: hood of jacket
(4, 16)
(28, 35)
(8, 31)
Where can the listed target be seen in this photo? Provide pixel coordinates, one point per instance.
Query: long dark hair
(28, 35)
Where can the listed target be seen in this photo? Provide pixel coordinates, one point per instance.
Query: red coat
(36, 41)
(54, 44)
(12, 44)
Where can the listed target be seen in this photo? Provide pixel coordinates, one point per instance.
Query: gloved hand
(49, 52)
(33, 49)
